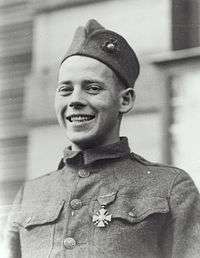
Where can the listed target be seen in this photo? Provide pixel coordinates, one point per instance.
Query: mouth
(80, 118)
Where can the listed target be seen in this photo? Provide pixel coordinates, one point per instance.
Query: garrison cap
(108, 47)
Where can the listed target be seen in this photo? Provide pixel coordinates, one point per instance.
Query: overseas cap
(107, 46)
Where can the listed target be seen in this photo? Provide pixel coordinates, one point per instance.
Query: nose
(77, 100)
(76, 104)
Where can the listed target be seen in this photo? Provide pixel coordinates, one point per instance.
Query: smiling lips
(80, 118)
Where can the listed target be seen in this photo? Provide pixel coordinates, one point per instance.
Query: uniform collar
(88, 156)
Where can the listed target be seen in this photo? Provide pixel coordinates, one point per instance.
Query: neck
(92, 145)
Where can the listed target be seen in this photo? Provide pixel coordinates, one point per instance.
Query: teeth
(77, 119)
(80, 118)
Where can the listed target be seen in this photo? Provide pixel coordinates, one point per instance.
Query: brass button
(83, 173)
(76, 204)
(131, 214)
(69, 243)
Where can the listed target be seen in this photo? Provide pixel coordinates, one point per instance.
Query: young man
(103, 201)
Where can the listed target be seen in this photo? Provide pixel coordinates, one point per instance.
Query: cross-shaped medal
(101, 218)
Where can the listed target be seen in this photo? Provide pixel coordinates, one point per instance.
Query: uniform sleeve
(11, 238)
(182, 234)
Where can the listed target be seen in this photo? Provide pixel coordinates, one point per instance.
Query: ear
(127, 99)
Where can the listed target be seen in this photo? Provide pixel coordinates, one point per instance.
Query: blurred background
(34, 34)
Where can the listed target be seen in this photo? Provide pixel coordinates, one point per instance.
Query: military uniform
(107, 202)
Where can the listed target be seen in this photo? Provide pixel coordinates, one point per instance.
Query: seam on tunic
(52, 242)
(172, 185)
(68, 217)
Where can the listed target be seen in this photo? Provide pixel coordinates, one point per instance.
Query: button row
(76, 204)
(69, 243)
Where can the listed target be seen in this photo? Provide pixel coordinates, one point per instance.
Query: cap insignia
(111, 46)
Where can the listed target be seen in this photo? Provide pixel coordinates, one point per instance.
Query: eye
(94, 88)
(64, 90)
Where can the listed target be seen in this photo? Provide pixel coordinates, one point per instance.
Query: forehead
(81, 66)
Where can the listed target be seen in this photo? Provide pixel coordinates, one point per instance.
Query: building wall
(185, 20)
(182, 67)
(187, 122)
(15, 65)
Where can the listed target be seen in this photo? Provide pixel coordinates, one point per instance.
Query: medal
(101, 218)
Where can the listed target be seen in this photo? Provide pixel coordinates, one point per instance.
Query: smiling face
(88, 102)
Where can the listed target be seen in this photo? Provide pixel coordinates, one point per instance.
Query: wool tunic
(106, 203)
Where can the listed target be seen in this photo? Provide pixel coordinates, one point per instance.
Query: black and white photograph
(99, 128)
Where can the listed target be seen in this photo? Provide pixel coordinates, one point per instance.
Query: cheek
(60, 104)
(60, 107)
(106, 102)
(108, 110)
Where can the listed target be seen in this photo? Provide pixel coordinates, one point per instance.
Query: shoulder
(47, 177)
(167, 177)
(42, 181)
(160, 168)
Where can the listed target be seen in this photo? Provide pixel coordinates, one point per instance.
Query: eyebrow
(64, 82)
(86, 81)
(91, 81)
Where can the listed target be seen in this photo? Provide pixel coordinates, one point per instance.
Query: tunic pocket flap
(136, 210)
(34, 215)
